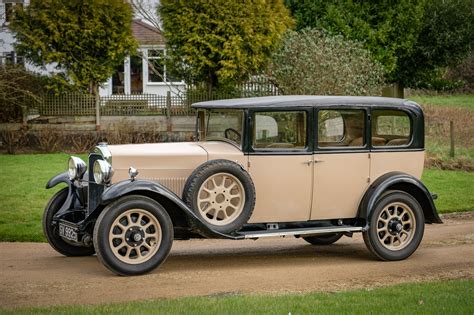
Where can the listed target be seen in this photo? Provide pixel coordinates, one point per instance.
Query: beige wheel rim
(221, 199)
(135, 236)
(396, 226)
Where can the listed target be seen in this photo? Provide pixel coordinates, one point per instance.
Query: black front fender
(60, 178)
(398, 181)
(139, 186)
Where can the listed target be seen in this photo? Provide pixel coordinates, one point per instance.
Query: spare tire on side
(222, 194)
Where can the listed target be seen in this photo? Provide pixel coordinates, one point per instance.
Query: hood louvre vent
(175, 184)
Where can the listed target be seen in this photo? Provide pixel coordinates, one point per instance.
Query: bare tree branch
(147, 10)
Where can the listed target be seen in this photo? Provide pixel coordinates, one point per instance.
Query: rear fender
(403, 182)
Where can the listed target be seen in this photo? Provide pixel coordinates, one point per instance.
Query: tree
(19, 89)
(387, 28)
(313, 62)
(445, 40)
(411, 39)
(87, 39)
(221, 42)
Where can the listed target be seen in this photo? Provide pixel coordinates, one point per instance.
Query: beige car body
(288, 187)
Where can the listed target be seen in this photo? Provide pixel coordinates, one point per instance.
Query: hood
(157, 161)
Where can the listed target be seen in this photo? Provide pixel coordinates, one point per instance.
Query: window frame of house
(149, 59)
(9, 7)
(146, 53)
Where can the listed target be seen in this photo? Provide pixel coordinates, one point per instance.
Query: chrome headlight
(76, 168)
(103, 172)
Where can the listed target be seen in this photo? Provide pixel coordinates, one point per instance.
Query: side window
(279, 130)
(341, 128)
(390, 128)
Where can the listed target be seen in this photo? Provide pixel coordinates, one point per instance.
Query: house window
(156, 66)
(10, 6)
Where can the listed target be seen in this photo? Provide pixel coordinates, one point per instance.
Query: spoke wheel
(221, 194)
(135, 236)
(221, 199)
(396, 226)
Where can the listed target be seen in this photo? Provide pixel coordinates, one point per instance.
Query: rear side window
(341, 128)
(390, 128)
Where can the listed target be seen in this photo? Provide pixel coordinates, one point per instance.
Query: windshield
(223, 125)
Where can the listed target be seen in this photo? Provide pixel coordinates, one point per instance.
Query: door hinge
(369, 155)
(248, 164)
(368, 179)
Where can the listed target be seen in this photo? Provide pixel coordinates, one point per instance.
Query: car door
(280, 164)
(341, 163)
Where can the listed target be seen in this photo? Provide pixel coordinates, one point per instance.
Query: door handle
(308, 162)
(318, 161)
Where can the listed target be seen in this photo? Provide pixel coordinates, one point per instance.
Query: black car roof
(286, 101)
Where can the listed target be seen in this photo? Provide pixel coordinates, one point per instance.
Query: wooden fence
(77, 104)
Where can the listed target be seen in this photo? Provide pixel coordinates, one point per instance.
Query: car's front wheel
(396, 226)
(133, 235)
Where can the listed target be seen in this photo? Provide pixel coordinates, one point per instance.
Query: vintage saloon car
(315, 167)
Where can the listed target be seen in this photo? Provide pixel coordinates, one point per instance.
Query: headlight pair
(103, 171)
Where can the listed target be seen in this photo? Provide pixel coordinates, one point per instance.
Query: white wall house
(141, 74)
(7, 52)
(146, 72)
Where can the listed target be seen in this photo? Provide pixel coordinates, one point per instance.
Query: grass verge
(455, 100)
(23, 194)
(449, 297)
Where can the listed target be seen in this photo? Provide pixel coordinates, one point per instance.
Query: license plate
(67, 232)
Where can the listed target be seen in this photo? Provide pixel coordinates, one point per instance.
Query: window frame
(411, 139)
(342, 149)
(202, 121)
(148, 59)
(308, 149)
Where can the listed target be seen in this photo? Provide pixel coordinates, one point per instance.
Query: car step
(301, 231)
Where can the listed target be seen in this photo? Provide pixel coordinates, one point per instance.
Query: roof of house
(146, 34)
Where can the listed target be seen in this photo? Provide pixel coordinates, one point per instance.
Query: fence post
(168, 111)
(97, 112)
(451, 134)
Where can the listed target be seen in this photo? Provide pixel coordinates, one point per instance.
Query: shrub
(19, 89)
(313, 62)
(12, 140)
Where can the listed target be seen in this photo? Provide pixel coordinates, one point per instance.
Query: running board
(303, 231)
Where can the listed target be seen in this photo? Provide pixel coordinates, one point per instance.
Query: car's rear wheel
(51, 231)
(222, 194)
(323, 239)
(396, 226)
(133, 235)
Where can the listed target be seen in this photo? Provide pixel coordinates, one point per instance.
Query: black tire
(237, 174)
(383, 249)
(51, 232)
(324, 239)
(128, 264)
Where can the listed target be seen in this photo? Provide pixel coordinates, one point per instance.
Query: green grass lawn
(449, 297)
(457, 100)
(23, 194)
